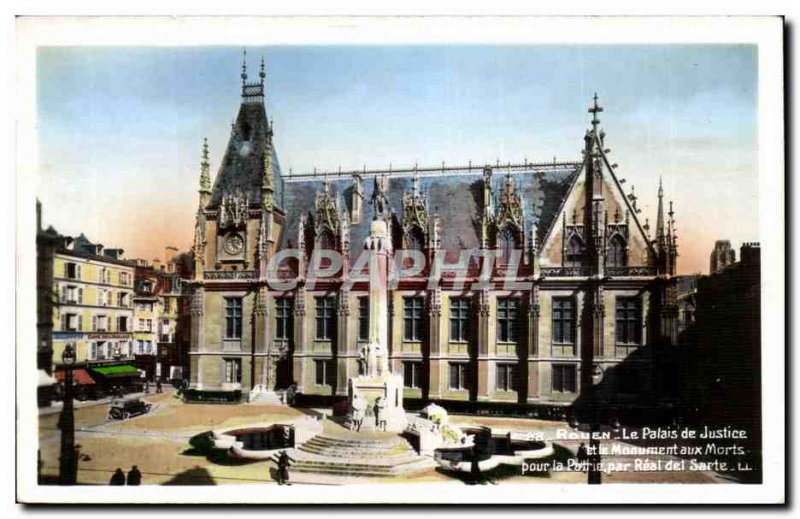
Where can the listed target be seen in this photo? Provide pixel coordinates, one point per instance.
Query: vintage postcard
(400, 260)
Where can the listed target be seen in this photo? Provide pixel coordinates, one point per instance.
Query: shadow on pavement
(194, 476)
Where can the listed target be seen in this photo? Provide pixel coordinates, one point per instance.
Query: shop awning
(121, 370)
(79, 376)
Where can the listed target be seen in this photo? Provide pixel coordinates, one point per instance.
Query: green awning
(122, 370)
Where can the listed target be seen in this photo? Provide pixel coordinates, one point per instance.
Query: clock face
(234, 244)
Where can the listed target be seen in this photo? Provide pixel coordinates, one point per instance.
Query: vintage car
(122, 409)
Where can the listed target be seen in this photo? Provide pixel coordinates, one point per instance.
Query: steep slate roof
(457, 197)
(242, 164)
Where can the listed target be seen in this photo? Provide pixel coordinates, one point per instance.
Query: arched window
(575, 251)
(617, 256)
(507, 242)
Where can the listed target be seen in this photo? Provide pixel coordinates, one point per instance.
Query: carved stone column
(434, 343)
(343, 352)
(260, 374)
(196, 313)
(484, 339)
(299, 360)
(533, 343)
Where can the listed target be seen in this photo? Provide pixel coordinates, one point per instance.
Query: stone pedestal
(374, 398)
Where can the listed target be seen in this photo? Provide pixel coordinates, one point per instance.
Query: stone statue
(380, 413)
(375, 359)
(359, 406)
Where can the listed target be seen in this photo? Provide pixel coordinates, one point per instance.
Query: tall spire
(252, 92)
(660, 216)
(594, 109)
(672, 234)
(244, 66)
(205, 179)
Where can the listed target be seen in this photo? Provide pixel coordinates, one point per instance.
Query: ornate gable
(326, 207)
(415, 212)
(509, 208)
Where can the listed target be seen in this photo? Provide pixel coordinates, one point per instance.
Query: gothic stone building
(592, 305)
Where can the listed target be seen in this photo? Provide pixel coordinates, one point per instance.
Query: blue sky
(120, 129)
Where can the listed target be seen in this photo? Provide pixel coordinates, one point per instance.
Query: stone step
(383, 447)
(266, 397)
(340, 472)
(361, 469)
(346, 451)
(345, 457)
(366, 443)
(357, 455)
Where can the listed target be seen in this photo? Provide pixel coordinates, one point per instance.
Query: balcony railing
(631, 271)
(558, 272)
(231, 274)
(609, 271)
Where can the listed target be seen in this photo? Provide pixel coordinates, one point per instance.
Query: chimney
(114, 253)
(750, 253)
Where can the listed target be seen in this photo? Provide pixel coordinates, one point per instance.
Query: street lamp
(67, 463)
(595, 475)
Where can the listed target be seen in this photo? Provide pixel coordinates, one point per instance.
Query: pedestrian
(158, 386)
(283, 468)
(134, 476)
(582, 456)
(118, 478)
(146, 387)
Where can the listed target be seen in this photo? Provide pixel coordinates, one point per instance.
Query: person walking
(134, 476)
(159, 389)
(118, 478)
(283, 468)
(582, 456)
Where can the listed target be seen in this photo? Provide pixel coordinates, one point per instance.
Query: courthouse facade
(552, 287)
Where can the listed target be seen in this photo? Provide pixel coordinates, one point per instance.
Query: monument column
(378, 388)
(533, 344)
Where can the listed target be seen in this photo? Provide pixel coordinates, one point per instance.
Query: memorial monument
(375, 397)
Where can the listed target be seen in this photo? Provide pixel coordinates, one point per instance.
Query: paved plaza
(159, 444)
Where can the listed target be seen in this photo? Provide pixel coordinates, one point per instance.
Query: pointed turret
(595, 207)
(660, 236)
(250, 163)
(673, 242)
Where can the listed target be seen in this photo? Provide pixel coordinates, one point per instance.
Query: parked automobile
(122, 409)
